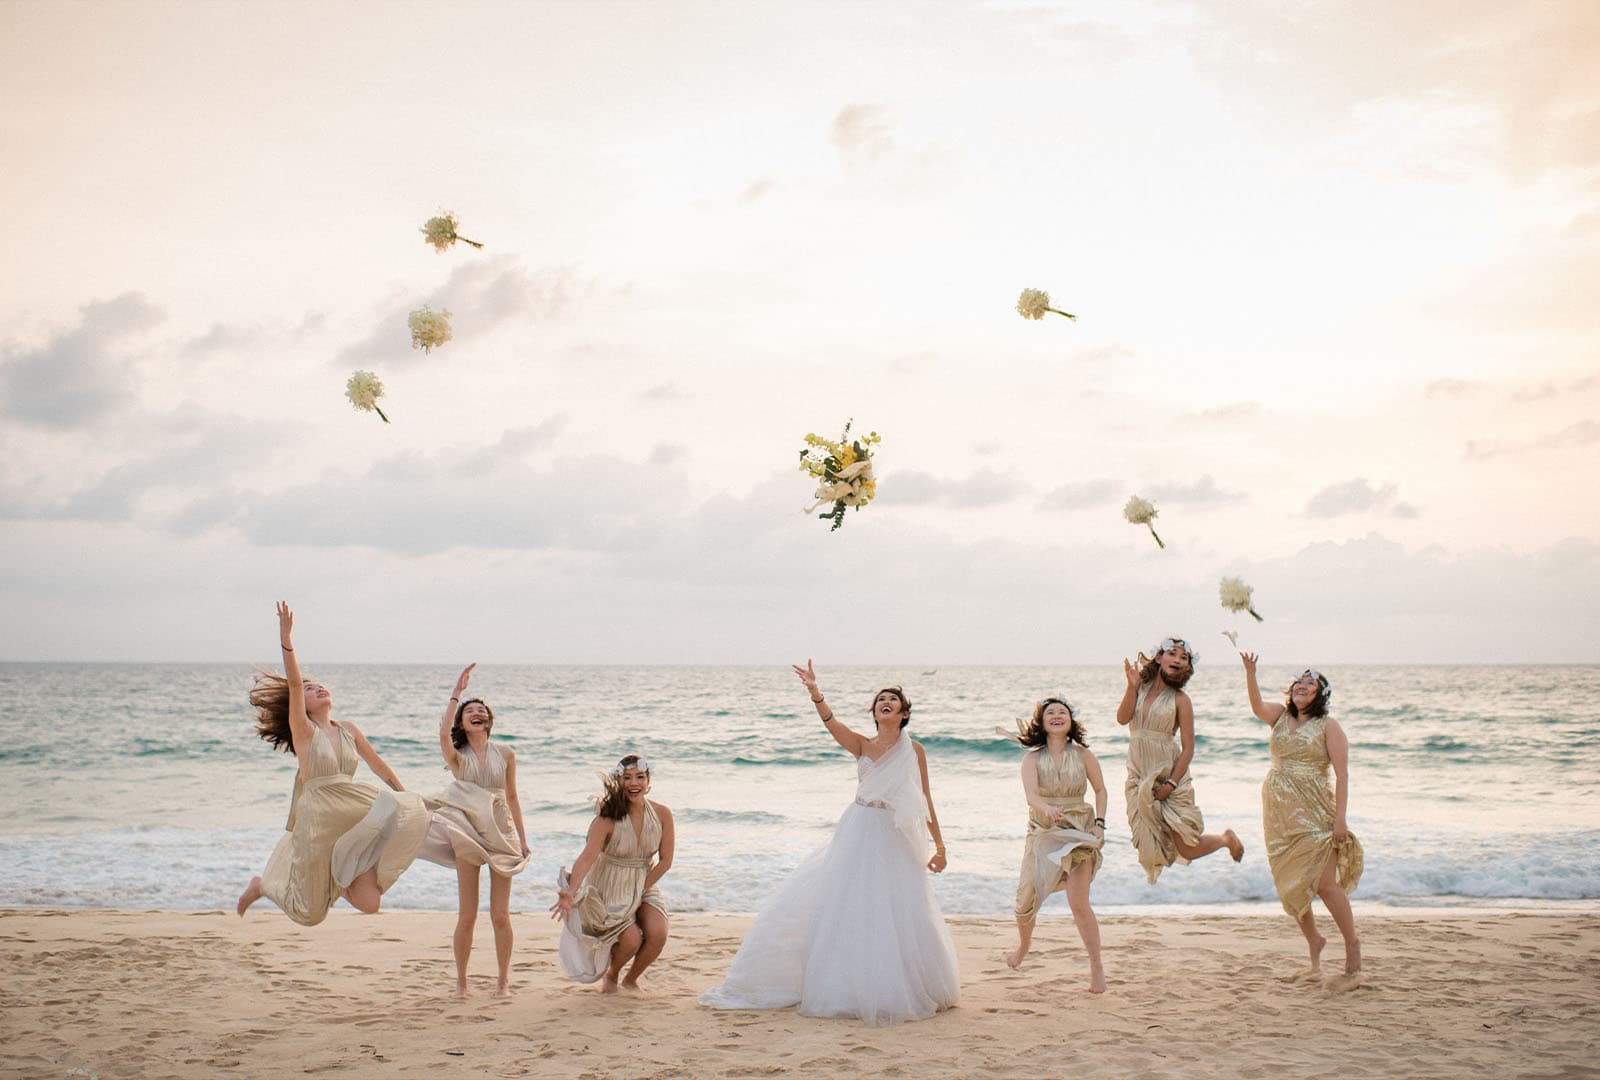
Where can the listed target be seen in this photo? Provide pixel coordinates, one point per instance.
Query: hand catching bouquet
(1236, 596)
(843, 471)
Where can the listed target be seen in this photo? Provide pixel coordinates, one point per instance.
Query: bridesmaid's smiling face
(475, 717)
(1304, 692)
(635, 782)
(317, 696)
(1057, 719)
(1174, 663)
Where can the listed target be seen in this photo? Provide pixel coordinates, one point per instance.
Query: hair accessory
(642, 764)
(1059, 699)
(1175, 643)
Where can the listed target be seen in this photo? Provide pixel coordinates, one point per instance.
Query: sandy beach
(198, 994)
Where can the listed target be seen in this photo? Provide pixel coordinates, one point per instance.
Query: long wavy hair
(1150, 668)
(612, 802)
(458, 731)
(905, 704)
(270, 698)
(1031, 732)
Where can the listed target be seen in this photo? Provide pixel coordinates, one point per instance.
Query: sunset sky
(1336, 267)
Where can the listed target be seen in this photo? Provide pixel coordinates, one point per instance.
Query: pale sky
(1335, 266)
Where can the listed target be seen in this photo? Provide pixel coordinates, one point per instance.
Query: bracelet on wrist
(454, 698)
(285, 648)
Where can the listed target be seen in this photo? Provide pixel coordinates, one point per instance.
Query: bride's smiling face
(890, 706)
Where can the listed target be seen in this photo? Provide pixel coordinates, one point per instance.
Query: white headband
(642, 764)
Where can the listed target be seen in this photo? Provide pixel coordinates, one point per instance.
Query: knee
(631, 938)
(500, 919)
(367, 905)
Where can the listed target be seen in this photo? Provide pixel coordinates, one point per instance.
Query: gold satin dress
(338, 829)
(1152, 751)
(472, 823)
(1044, 871)
(613, 890)
(1297, 811)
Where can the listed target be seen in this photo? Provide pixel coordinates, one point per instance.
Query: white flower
(1235, 596)
(364, 389)
(441, 232)
(1142, 512)
(429, 328)
(1033, 303)
(1232, 636)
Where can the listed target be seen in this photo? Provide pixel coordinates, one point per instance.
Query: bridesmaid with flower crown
(1164, 822)
(1309, 847)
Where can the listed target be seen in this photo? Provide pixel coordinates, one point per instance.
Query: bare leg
(500, 916)
(466, 922)
(363, 893)
(1078, 879)
(1024, 942)
(653, 924)
(1339, 907)
(1314, 942)
(621, 953)
(252, 893)
(1211, 842)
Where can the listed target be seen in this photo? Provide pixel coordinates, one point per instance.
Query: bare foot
(252, 893)
(608, 985)
(1352, 956)
(1014, 958)
(632, 988)
(459, 993)
(502, 991)
(1097, 979)
(1235, 845)
(1342, 983)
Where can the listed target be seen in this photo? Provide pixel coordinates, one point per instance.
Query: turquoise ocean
(144, 786)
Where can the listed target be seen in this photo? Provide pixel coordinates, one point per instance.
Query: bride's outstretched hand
(808, 675)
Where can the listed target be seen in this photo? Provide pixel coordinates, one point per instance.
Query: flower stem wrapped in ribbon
(364, 389)
(1142, 512)
(1033, 303)
(429, 328)
(843, 471)
(1236, 596)
(441, 232)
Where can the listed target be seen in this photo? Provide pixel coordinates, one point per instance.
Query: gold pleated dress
(1297, 811)
(1045, 865)
(338, 829)
(1152, 751)
(610, 897)
(472, 823)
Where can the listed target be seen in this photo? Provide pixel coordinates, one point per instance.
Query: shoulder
(662, 810)
(921, 754)
(1083, 752)
(1331, 726)
(1181, 698)
(349, 726)
(505, 751)
(1030, 754)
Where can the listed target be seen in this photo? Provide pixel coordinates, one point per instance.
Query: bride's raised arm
(850, 740)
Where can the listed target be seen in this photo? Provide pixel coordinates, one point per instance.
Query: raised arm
(299, 722)
(1267, 714)
(1338, 756)
(937, 863)
(599, 832)
(512, 802)
(668, 843)
(1091, 770)
(1030, 787)
(841, 734)
(452, 756)
(1130, 695)
(380, 768)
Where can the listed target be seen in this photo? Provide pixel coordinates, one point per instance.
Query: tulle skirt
(855, 932)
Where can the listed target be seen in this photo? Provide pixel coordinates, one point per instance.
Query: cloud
(1452, 388)
(226, 337)
(481, 294)
(77, 378)
(661, 392)
(1238, 410)
(1079, 495)
(1357, 496)
(863, 135)
(1583, 433)
(667, 453)
(1548, 389)
(986, 487)
(756, 190)
(1202, 492)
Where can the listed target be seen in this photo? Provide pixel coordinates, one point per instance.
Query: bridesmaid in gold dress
(1310, 849)
(477, 821)
(1164, 823)
(610, 905)
(1062, 850)
(343, 838)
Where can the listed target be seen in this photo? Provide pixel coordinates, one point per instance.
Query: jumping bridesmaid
(612, 910)
(477, 821)
(343, 838)
(1062, 850)
(1310, 849)
(1164, 823)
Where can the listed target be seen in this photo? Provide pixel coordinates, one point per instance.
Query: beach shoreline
(109, 993)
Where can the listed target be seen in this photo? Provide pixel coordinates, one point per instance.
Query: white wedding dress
(856, 931)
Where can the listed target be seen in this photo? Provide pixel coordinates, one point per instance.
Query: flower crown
(641, 763)
(1060, 699)
(1173, 643)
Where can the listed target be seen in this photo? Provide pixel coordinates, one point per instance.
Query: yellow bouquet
(843, 471)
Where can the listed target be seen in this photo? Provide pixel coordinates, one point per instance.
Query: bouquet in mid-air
(1235, 596)
(843, 471)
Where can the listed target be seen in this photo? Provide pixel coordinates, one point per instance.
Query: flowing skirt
(855, 932)
(472, 826)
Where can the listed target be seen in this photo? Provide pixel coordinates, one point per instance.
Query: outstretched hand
(808, 674)
(1249, 661)
(1131, 673)
(466, 676)
(285, 622)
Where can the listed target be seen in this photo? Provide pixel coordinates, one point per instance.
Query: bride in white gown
(856, 930)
